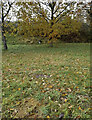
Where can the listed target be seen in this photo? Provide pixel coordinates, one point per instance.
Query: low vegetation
(44, 82)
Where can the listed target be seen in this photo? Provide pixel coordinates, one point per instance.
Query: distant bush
(83, 36)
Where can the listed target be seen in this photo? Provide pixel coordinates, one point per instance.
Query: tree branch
(46, 19)
(62, 11)
(61, 16)
(10, 5)
(57, 8)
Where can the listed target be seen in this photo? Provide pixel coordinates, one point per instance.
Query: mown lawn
(44, 82)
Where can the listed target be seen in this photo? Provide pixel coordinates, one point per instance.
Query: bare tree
(5, 7)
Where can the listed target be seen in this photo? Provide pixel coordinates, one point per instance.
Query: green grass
(19, 39)
(44, 82)
(12, 39)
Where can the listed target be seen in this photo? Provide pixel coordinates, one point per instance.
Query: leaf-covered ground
(44, 82)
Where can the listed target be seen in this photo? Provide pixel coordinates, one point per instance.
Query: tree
(86, 19)
(51, 18)
(90, 17)
(6, 7)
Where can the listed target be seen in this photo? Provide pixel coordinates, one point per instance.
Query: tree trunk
(52, 23)
(50, 39)
(3, 32)
(4, 37)
(51, 44)
(4, 40)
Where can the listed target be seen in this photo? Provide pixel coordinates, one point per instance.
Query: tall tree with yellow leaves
(51, 18)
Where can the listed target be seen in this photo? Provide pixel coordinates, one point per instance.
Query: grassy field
(44, 82)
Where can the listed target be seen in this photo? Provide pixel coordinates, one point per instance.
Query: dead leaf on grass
(28, 105)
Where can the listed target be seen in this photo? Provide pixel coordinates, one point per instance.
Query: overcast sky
(14, 18)
(45, 0)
